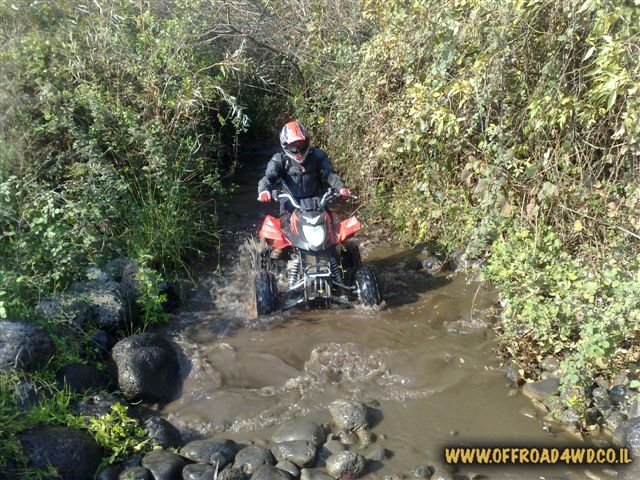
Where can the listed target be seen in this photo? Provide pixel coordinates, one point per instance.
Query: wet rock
(163, 465)
(379, 454)
(198, 471)
(348, 438)
(81, 378)
(423, 471)
(512, 372)
(147, 367)
(349, 415)
(210, 450)
(614, 420)
(98, 404)
(252, 457)
(231, 473)
(300, 430)
(542, 389)
(269, 472)
(135, 473)
(618, 394)
(345, 463)
(395, 476)
(23, 346)
(108, 307)
(331, 447)
(432, 264)
(314, 474)
(300, 452)
(110, 472)
(628, 435)
(68, 308)
(161, 432)
(365, 437)
(289, 467)
(74, 453)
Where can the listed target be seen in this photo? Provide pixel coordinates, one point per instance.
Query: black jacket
(301, 184)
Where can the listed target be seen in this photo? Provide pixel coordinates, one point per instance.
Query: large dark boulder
(147, 366)
(97, 405)
(301, 429)
(23, 346)
(73, 453)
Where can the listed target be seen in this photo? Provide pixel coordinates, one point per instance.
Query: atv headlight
(314, 235)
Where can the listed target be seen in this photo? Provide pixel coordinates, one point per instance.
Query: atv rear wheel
(367, 287)
(266, 292)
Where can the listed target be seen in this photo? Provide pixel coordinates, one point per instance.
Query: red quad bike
(324, 265)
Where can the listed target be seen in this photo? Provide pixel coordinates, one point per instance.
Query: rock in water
(198, 471)
(314, 474)
(163, 465)
(252, 457)
(110, 472)
(268, 472)
(210, 450)
(300, 430)
(345, 463)
(147, 367)
(349, 415)
(23, 346)
(300, 452)
(542, 389)
(289, 467)
(74, 453)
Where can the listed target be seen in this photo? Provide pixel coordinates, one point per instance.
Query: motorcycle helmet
(294, 141)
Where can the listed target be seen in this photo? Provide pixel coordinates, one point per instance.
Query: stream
(425, 363)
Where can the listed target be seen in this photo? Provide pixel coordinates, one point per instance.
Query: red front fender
(272, 233)
(348, 227)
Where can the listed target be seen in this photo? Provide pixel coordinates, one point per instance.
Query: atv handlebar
(329, 196)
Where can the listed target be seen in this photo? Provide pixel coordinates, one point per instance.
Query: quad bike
(324, 265)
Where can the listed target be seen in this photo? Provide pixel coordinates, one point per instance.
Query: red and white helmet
(294, 141)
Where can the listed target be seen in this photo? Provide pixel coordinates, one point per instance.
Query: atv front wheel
(266, 292)
(367, 287)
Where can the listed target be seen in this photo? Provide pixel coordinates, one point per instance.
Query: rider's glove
(264, 196)
(345, 192)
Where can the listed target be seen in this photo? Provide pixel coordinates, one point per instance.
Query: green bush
(508, 129)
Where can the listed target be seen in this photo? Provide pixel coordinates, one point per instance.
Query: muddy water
(429, 385)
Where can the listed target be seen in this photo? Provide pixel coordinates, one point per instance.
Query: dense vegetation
(509, 130)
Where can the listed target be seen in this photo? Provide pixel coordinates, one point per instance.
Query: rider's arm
(327, 172)
(272, 175)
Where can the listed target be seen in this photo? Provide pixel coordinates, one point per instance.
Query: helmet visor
(299, 147)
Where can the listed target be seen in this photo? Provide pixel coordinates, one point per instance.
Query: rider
(302, 169)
